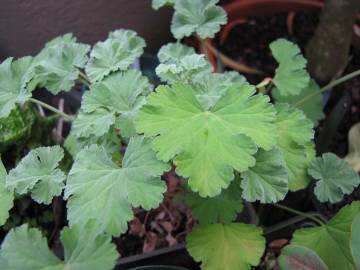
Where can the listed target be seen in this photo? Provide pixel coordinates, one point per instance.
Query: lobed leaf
(173, 52)
(156, 4)
(6, 196)
(355, 240)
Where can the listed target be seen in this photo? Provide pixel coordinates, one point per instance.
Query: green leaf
(120, 94)
(99, 189)
(6, 196)
(56, 67)
(118, 52)
(25, 248)
(294, 135)
(222, 208)
(202, 17)
(173, 52)
(311, 107)
(156, 4)
(227, 247)
(210, 144)
(267, 181)
(290, 76)
(39, 174)
(353, 156)
(300, 258)
(332, 240)
(14, 76)
(336, 178)
(355, 240)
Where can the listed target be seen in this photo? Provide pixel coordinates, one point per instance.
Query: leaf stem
(53, 109)
(83, 78)
(329, 86)
(299, 213)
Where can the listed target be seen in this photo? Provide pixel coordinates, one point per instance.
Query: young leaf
(56, 67)
(174, 52)
(227, 247)
(311, 107)
(222, 208)
(39, 174)
(300, 258)
(353, 156)
(294, 135)
(210, 144)
(202, 17)
(290, 76)
(355, 240)
(121, 93)
(99, 189)
(6, 196)
(118, 52)
(25, 248)
(156, 4)
(14, 76)
(335, 178)
(332, 240)
(267, 181)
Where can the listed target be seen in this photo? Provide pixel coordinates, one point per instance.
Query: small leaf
(336, 178)
(6, 196)
(267, 181)
(202, 17)
(355, 240)
(14, 76)
(39, 174)
(332, 240)
(290, 76)
(300, 258)
(95, 185)
(25, 248)
(227, 247)
(173, 52)
(118, 52)
(210, 144)
(353, 156)
(156, 4)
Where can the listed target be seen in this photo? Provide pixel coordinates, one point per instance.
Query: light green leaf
(332, 240)
(156, 4)
(355, 240)
(56, 67)
(290, 76)
(267, 181)
(300, 258)
(226, 247)
(99, 189)
(222, 208)
(202, 17)
(335, 176)
(14, 76)
(118, 52)
(210, 144)
(173, 52)
(294, 135)
(311, 107)
(25, 248)
(39, 174)
(6, 196)
(353, 156)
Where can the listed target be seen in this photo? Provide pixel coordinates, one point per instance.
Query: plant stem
(294, 211)
(83, 78)
(329, 86)
(283, 224)
(51, 108)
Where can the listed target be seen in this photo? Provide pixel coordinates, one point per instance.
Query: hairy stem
(53, 109)
(299, 213)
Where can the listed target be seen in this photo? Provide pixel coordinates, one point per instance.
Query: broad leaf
(39, 174)
(120, 94)
(355, 240)
(56, 67)
(118, 52)
(353, 156)
(312, 107)
(335, 176)
(294, 135)
(173, 52)
(227, 247)
(267, 181)
(6, 196)
(300, 258)
(156, 4)
(222, 208)
(14, 76)
(202, 17)
(99, 189)
(25, 248)
(332, 240)
(210, 144)
(290, 76)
